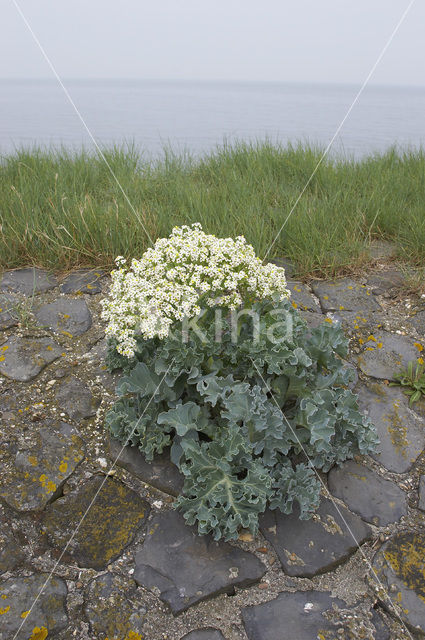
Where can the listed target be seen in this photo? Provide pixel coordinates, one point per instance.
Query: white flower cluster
(180, 275)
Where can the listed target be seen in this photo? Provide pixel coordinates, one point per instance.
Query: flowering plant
(177, 277)
(247, 414)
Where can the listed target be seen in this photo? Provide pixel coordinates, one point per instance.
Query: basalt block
(384, 354)
(186, 568)
(160, 473)
(293, 616)
(33, 475)
(83, 281)
(400, 429)
(301, 297)
(22, 359)
(373, 498)
(345, 295)
(75, 397)
(114, 608)
(27, 281)
(70, 317)
(48, 615)
(11, 553)
(399, 564)
(114, 513)
(308, 547)
(386, 281)
(8, 316)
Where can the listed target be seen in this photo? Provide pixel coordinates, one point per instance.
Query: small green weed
(412, 380)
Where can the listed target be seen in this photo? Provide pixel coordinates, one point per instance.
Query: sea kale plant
(220, 370)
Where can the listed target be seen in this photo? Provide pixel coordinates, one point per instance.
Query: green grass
(60, 209)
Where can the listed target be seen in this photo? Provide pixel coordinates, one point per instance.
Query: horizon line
(205, 81)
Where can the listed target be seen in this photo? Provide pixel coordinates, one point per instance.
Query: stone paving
(133, 569)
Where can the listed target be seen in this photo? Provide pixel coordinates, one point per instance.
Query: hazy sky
(272, 40)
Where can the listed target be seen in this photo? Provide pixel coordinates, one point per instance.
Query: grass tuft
(61, 209)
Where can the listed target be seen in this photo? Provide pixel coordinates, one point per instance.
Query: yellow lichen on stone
(24, 614)
(33, 460)
(4, 610)
(39, 633)
(51, 487)
(397, 431)
(407, 560)
(47, 484)
(43, 479)
(63, 466)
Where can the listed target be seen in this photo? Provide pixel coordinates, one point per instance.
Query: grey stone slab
(186, 568)
(401, 431)
(293, 616)
(308, 547)
(33, 475)
(385, 281)
(68, 316)
(22, 359)
(114, 608)
(301, 297)
(83, 281)
(115, 515)
(355, 323)
(11, 553)
(399, 564)
(384, 354)
(372, 497)
(8, 317)
(48, 615)
(382, 632)
(160, 473)
(27, 281)
(418, 321)
(75, 398)
(345, 295)
(421, 503)
(312, 319)
(204, 634)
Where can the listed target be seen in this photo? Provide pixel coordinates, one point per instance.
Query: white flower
(177, 276)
